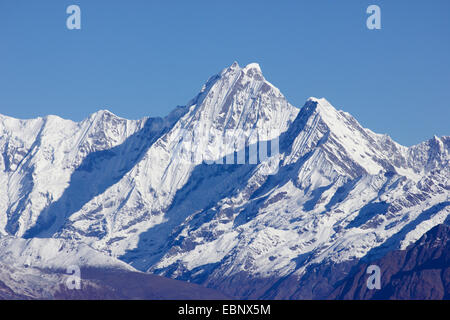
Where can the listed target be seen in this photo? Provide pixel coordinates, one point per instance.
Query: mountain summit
(143, 194)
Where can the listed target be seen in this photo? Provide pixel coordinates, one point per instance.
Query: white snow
(141, 181)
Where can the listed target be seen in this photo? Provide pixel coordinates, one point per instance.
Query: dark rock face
(317, 283)
(422, 271)
(114, 283)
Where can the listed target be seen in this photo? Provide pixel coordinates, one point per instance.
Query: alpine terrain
(238, 194)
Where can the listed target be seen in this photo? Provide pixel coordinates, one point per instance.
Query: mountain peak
(329, 114)
(103, 114)
(231, 69)
(250, 69)
(322, 104)
(252, 66)
(235, 65)
(156, 193)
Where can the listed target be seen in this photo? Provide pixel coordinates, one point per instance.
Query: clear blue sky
(143, 57)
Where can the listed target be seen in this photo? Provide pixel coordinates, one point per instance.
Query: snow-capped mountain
(169, 195)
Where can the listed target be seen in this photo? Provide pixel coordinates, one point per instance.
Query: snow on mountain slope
(238, 100)
(158, 194)
(53, 254)
(39, 156)
(42, 269)
(341, 191)
(36, 268)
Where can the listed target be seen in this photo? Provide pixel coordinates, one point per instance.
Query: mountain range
(156, 198)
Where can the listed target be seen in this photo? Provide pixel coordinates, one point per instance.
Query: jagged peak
(254, 66)
(250, 70)
(323, 104)
(338, 120)
(434, 141)
(240, 96)
(235, 65)
(231, 69)
(103, 113)
(438, 140)
(329, 114)
(440, 144)
(40, 118)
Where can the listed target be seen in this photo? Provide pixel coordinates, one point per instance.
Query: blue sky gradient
(143, 58)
